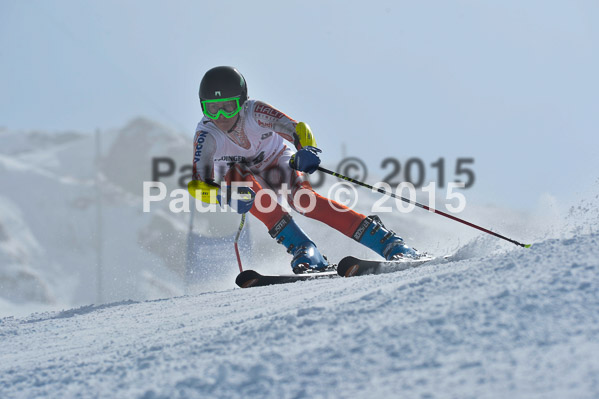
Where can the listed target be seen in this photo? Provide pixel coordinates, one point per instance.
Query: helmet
(223, 82)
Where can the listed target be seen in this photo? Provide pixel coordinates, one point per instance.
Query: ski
(351, 266)
(348, 267)
(251, 278)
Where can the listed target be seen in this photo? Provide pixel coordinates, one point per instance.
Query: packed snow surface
(517, 323)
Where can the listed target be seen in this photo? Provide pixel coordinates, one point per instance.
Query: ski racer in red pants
(247, 139)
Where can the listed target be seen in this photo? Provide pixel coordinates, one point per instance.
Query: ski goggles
(227, 107)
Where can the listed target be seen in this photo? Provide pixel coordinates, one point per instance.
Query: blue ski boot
(373, 234)
(306, 256)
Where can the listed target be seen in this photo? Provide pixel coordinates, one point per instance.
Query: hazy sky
(512, 84)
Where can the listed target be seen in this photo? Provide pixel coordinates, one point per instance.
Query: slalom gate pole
(241, 224)
(447, 215)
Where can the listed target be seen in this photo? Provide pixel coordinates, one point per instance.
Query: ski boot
(373, 234)
(306, 257)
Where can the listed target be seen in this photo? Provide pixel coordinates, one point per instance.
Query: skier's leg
(305, 254)
(279, 223)
(308, 202)
(304, 200)
(368, 231)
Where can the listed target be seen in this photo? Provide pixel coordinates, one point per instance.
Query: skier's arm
(306, 158)
(202, 186)
(298, 133)
(210, 193)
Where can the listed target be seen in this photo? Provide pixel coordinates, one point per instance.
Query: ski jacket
(256, 140)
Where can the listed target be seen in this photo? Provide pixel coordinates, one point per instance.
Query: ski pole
(237, 240)
(447, 215)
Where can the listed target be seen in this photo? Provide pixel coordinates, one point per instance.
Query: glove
(305, 160)
(241, 201)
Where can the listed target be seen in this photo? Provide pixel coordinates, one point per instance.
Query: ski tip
(348, 266)
(247, 278)
(527, 245)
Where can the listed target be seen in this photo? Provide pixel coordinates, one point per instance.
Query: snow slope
(51, 242)
(490, 324)
(497, 321)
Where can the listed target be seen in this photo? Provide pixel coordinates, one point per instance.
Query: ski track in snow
(522, 324)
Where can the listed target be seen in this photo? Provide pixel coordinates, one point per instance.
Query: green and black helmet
(223, 91)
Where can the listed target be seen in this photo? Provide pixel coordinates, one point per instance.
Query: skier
(247, 136)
